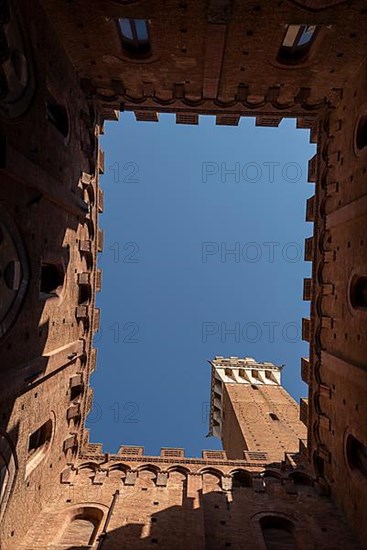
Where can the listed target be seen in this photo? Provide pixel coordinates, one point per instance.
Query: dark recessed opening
(273, 416)
(58, 116)
(278, 533)
(52, 277)
(40, 437)
(135, 36)
(319, 465)
(357, 455)
(358, 292)
(301, 479)
(361, 134)
(241, 479)
(75, 392)
(85, 294)
(296, 44)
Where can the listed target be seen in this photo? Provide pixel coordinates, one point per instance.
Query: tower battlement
(236, 370)
(250, 409)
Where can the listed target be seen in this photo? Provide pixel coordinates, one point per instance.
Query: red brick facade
(65, 68)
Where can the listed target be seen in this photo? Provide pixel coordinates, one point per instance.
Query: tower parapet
(236, 370)
(250, 410)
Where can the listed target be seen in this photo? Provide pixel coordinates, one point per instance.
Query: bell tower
(251, 411)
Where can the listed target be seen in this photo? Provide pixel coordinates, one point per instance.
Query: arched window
(358, 292)
(38, 444)
(146, 479)
(135, 36)
(211, 482)
(301, 479)
(81, 530)
(297, 43)
(241, 479)
(52, 279)
(278, 533)
(357, 455)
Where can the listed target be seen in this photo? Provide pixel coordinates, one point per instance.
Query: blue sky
(203, 255)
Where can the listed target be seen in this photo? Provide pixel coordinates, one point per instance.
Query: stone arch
(212, 479)
(271, 473)
(119, 466)
(175, 477)
(90, 465)
(80, 526)
(301, 478)
(241, 478)
(281, 530)
(278, 532)
(148, 467)
(147, 476)
(210, 470)
(178, 468)
(118, 471)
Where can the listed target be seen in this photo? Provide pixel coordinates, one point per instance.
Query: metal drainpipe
(103, 535)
